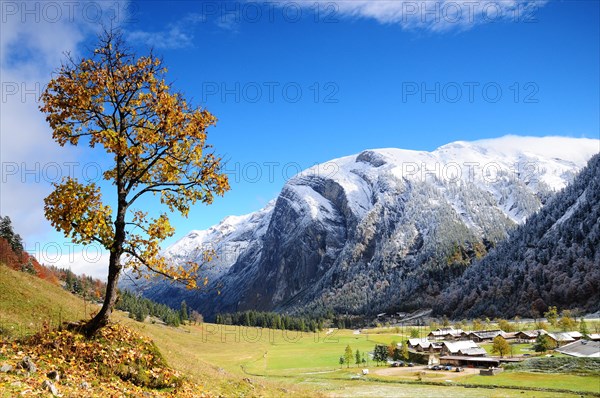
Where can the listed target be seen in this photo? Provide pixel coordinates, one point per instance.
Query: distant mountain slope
(229, 238)
(553, 259)
(381, 230)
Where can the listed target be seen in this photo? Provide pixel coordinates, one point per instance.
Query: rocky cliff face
(385, 229)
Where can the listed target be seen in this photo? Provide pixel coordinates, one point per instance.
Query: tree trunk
(101, 318)
(114, 263)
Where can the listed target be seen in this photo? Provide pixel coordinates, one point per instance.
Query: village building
(509, 335)
(561, 338)
(594, 336)
(424, 345)
(413, 343)
(462, 348)
(448, 333)
(529, 336)
(581, 348)
(558, 338)
(476, 362)
(576, 335)
(483, 335)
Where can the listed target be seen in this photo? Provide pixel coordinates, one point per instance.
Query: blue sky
(291, 91)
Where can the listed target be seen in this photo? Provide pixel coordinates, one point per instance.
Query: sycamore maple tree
(156, 144)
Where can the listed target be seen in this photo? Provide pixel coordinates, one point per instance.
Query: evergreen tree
(357, 357)
(183, 312)
(396, 354)
(380, 353)
(7, 232)
(28, 267)
(69, 281)
(141, 313)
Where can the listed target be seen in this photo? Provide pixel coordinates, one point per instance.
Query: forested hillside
(13, 255)
(553, 259)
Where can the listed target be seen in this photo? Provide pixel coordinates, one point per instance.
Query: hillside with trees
(13, 255)
(140, 308)
(551, 260)
(271, 320)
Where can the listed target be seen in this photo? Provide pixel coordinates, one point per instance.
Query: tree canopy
(500, 346)
(155, 143)
(348, 354)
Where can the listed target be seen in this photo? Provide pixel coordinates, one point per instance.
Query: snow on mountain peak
(542, 163)
(577, 150)
(539, 162)
(197, 241)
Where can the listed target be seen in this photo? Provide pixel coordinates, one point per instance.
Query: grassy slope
(231, 360)
(26, 302)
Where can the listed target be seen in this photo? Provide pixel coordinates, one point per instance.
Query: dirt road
(410, 372)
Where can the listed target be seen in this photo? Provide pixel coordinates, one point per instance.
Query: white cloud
(229, 21)
(428, 15)
(33, 39)
(436, 16)
(179, 34)
(175, 37)
(90, 260)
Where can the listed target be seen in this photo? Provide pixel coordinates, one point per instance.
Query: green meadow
(308, 364)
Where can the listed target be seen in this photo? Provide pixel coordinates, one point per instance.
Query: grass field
(215, 360)
(572, 382)
(27, 302)
(366, 389)
(309, 361)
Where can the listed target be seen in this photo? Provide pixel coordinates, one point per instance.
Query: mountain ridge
(396, 223)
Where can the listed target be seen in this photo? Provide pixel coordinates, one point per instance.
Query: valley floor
(233, 360)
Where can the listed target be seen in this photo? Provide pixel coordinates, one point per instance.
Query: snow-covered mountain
(385, 228)
(551, 260)
(229, 238)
